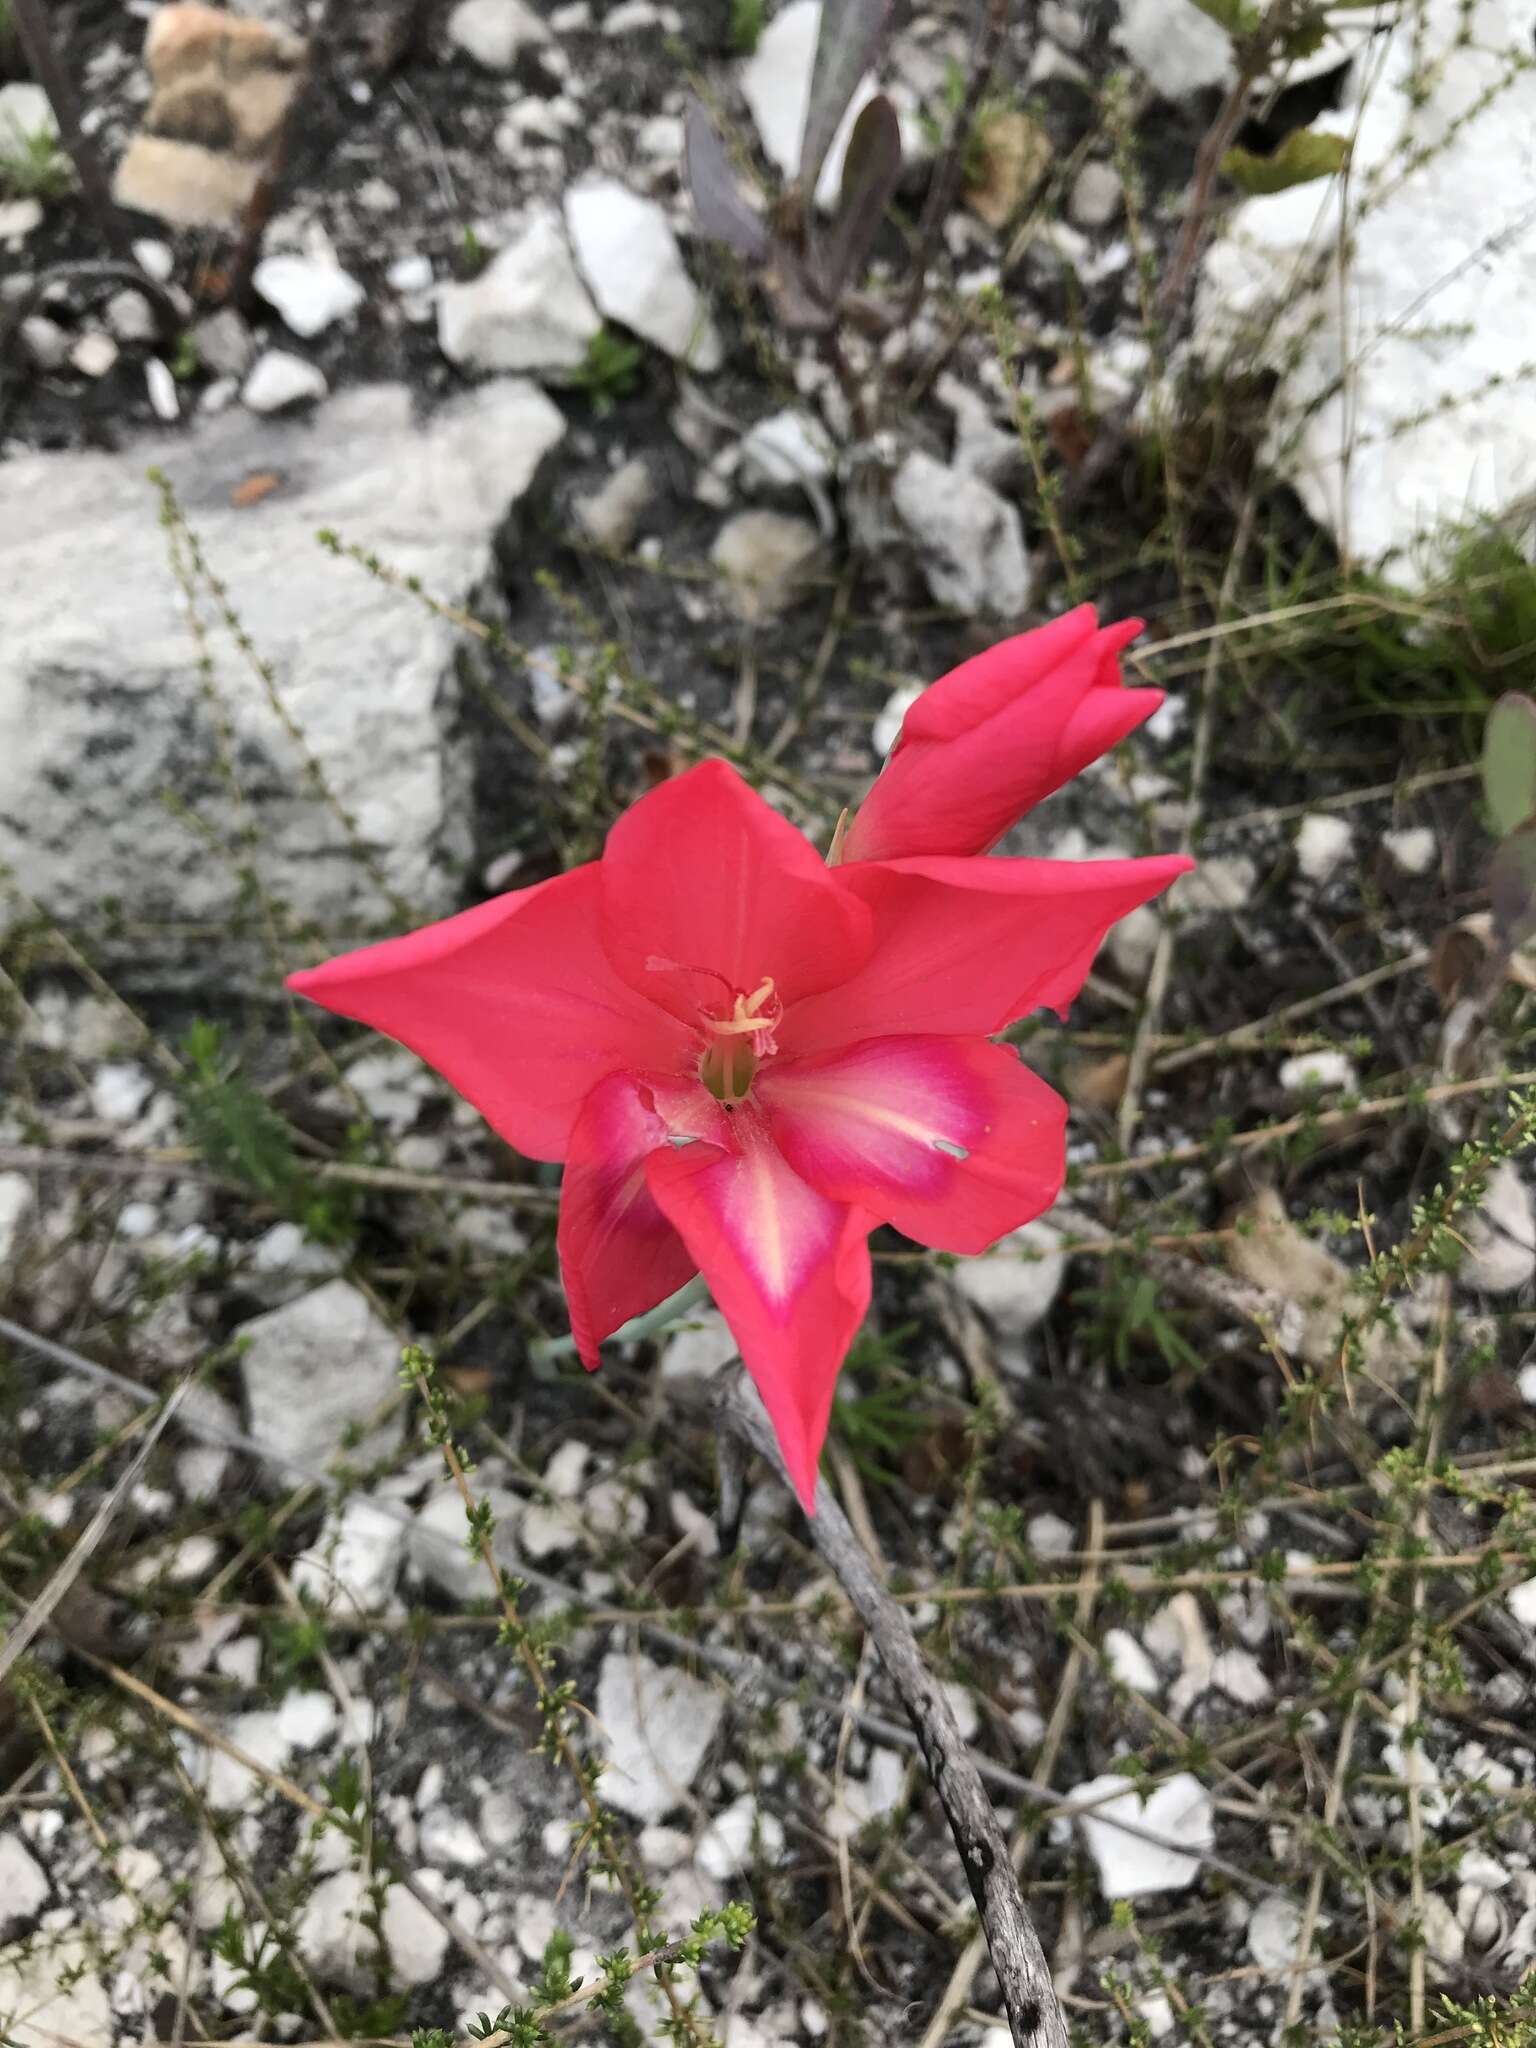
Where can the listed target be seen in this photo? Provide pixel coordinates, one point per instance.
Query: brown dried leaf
(261, 483)
(1016, 154)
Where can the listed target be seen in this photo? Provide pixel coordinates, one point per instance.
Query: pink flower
(985, 743)
(747, 1060)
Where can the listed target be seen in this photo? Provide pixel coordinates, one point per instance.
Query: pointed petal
(989, 741)
(514, 1002)
(705, 884)
(619, 1256)
(966, 946)
(990, 681)
(953, 1140)
(788, 1268)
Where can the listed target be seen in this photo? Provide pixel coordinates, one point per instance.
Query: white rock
(25, 114)
(1414, 849)
(23, 1884)
(283, 1260)
(94, 355)
(160, 387)
(317, 1369)
(155, 259)
(410, 274)
(1017, 1281)
(1274, 1933)
(776, 84)
(46, 343)
(1239, 1674)
(527, 310)
(310, 293)
(332, 1935)
(1128, 1867)
(1444, 1937)
(495, 32)
(1326, 1071)
(1323, 841)
(1129, 1662)
(107, 697)
(610, 516)
(1434, 420)
(51, 1990)
(700, 1348)
(1521, 1602)
(128, 315)
(1501, 1236)
(232, 1784)
(18, 218)
(448, 1838)
(279, 380)
(355, 1560)
(886, 729)
(726, 1846)
(969, 539)
(119, 1091)
(764, 557)
(1097, 195)
(565, 1474)
(1525, 1380)
(306, 1719)
(787, 448)
(628, 254)
(16, 1205)
(656, 1725)
(982, 447)
(1050, 1536)
(1177, 47)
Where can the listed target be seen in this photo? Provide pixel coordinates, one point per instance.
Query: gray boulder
(115, 763)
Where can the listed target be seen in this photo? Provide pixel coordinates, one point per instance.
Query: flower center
(740, 1042)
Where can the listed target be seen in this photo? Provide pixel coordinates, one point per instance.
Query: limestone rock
(495, 32)
(1128, 1866)
(763, 557)
(657, 1723)
(629, 257)
(315, 1370)
(309, 293)
(1439, 424)
(1175, 45)
(527, 310)
(281, 381)
(101, 705)
(970, 540)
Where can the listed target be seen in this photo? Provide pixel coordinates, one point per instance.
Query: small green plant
(32, 164)
(1509, 791)
(240, 1136)
(746, 26)
(809, 274)
(186, 358)
(473, 254)
(611, 369)
(1129, 1315)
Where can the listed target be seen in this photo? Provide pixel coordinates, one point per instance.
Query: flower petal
(619, 1256)
(788, 1268)
(965, 946)
(514, 1002)
(989, 741)
(953, 1140)
(705, 885)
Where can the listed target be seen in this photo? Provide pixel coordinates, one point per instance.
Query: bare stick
(43, 62)
(950, 172)
(1029, 1997)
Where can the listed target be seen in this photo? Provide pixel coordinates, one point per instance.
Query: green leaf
(1305, 154)
(1237, 17)
(1512, 885)
(1509, 762)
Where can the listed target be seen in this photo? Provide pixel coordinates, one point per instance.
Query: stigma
(740, 1041)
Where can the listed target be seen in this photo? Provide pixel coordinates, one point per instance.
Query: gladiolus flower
(747, 1060)
(987, 742)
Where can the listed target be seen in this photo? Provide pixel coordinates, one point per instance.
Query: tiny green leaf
(1509, 762)
(1237, 17)
(1305, 154)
